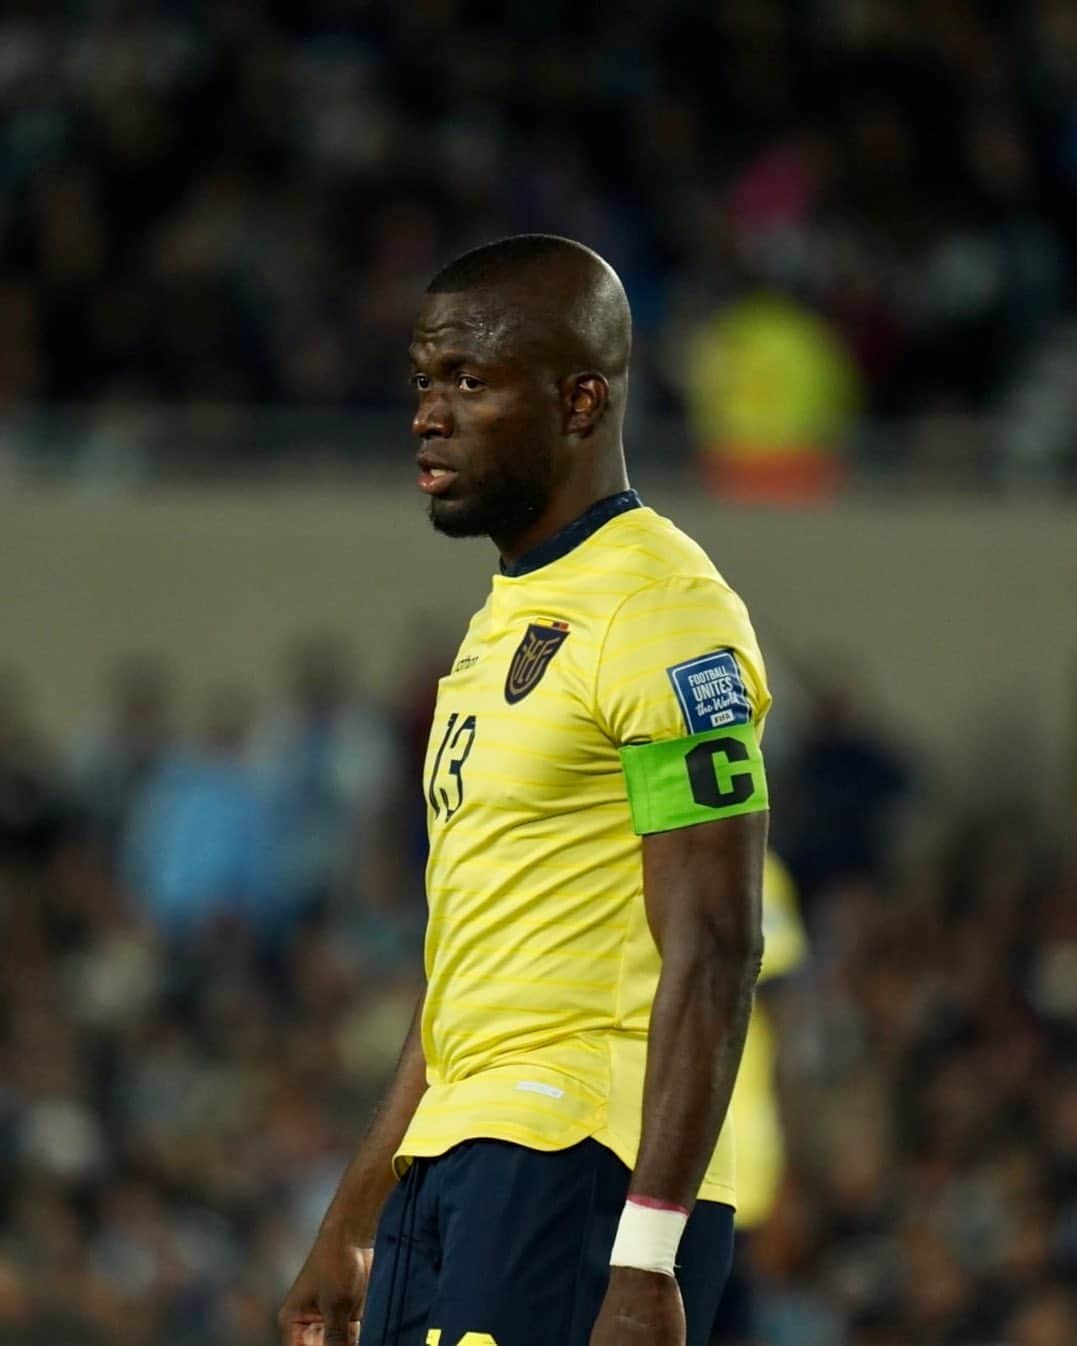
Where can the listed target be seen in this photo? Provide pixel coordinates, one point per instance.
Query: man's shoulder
(656, 562)
(645, 548)
(638, 560)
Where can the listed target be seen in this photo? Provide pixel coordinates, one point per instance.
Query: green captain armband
(716, 774)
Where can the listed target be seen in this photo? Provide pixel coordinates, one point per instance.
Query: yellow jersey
(608, 644)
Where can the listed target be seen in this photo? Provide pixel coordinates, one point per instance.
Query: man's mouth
(435, 479)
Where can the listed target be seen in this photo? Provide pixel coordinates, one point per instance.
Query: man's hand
(324, 1304)
(641, 1308)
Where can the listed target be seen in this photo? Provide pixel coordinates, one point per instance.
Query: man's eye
(420, 381)
(468, 383)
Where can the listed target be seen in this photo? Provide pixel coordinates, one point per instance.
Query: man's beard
(498, 507)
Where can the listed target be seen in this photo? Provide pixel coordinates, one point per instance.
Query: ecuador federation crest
(532, 658)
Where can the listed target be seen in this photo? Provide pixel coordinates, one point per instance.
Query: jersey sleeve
(681, 690)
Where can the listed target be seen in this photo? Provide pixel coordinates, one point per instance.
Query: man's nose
(433, 419)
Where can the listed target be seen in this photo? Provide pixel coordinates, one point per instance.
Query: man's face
(489, 417)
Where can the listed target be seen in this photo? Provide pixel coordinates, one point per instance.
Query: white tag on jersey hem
(535, 1087)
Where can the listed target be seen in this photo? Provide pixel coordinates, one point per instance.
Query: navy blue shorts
(493, 1244)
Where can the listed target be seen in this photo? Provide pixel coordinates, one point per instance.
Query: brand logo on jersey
(532, 658)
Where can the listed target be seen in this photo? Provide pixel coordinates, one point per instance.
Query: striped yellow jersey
(611, 643)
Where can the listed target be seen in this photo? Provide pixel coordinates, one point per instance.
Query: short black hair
(503, 260)
(566, 293)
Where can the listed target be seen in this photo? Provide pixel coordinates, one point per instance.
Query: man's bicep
(703, 883)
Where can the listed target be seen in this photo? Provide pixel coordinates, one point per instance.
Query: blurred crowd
(238, 203)
(210, 948)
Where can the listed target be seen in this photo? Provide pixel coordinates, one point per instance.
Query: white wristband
(648, 1238)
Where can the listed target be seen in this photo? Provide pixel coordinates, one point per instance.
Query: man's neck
(566, 508)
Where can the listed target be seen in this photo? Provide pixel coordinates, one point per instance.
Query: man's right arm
(332, 1284)
(369, 1179)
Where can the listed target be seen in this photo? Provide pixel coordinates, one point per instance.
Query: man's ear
(586, 397)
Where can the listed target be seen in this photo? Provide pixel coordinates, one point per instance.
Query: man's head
(520, 363)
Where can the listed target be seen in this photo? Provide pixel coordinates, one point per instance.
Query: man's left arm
(680, 687)
(703, 894)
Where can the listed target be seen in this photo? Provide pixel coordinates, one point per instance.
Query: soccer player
(549, 1166)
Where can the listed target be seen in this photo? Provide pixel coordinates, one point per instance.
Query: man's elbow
(721, 957)
(744, 958)
(736, 964)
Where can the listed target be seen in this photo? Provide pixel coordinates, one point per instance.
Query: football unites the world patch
(532, 658)
(711, 691)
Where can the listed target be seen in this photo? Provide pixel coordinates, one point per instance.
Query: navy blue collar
(568, 538)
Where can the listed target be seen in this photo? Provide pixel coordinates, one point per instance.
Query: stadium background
(223, 612)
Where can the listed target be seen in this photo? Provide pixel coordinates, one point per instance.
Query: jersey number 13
(445, 787)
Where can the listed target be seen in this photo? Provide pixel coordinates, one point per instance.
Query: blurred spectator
(1047, 1318)
(330, 764)
(773, 393)
(200, 846)
(32, 809)
(840, 796)
(116, 759)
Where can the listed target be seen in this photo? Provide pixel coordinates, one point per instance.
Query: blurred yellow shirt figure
(754, 1108)
(772, 390)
